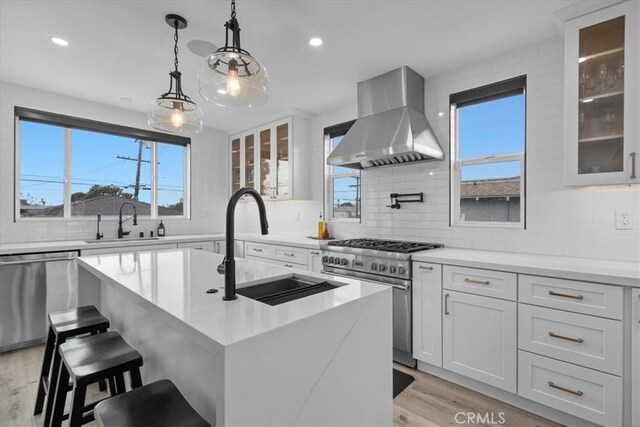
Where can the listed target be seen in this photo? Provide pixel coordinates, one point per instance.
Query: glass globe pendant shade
(176, 116)
(233, 79)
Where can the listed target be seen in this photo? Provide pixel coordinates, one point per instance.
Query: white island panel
(321, 360)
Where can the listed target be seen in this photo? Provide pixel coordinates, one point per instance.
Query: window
(488, 155)
(69, 167)
(342, 184)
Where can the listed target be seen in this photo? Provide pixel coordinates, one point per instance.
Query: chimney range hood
(391, 128)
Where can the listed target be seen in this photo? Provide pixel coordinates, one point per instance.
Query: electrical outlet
(623, 220)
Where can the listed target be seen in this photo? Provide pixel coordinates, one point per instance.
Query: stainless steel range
(386, 262)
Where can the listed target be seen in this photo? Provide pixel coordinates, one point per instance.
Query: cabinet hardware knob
(633, 165)
(446, 304)
(479, 282)
(558, 294)
(425, 267)
(554, 335)
(566, 390)
(289, 254)
(257, 249)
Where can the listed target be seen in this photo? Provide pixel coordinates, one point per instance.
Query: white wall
(209, 163)
(573, 222)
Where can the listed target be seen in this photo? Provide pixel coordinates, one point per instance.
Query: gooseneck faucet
(122, 233)
(228, 266)
(99, 235)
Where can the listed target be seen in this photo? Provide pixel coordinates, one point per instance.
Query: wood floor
(428, 401)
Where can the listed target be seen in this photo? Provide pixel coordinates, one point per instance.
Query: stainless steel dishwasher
(31, 286)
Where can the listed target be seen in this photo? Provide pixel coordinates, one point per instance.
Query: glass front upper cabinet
(266, 160)
(601, 134)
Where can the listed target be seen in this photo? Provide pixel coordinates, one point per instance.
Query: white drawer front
(571, 295)
(582, 392)
(259, 250)
(492, 283)
(288, 254)
(277, 262)
(576, 338)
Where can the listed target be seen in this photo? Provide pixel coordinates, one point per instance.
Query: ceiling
(125, 49)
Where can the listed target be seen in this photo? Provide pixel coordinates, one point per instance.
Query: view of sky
(96, 159)
(491, 128)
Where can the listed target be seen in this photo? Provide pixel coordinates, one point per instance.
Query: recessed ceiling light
(315, 41)
(126, 100)
(59, 41)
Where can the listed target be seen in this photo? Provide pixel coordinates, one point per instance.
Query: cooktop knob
(344, 261)
(337, 261)
(402, 271)
(331, 260)
(325, 259)
(382, 267)
(374, 266)
(392, 269)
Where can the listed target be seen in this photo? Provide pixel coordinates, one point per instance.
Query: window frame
(330, 133)
(502, 89)
(68, 123)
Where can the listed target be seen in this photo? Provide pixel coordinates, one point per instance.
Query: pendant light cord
(175, 47)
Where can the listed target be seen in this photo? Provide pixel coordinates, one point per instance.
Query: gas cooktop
(398, 246)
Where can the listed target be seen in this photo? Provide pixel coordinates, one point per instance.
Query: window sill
(490, 225)
(344, 220)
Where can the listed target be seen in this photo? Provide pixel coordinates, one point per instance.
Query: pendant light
(174, 111)
(231, 77)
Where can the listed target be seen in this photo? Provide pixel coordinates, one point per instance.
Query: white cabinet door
(219, 247)
(479, 338)
(427, 312)
(262, 158)
(602, 97)
(202, 246)
(635, 357)
(314, 262)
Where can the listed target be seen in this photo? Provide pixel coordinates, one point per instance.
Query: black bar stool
(89, 360)
(157, 404)
(62, 326)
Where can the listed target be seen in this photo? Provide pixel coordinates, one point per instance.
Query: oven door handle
(401, 287)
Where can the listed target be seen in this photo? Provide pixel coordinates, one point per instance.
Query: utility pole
(139, 161)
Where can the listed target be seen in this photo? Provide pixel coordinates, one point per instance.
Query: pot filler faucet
(228, 266)
(121, 232)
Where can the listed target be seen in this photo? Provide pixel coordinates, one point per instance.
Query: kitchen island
(321, 360)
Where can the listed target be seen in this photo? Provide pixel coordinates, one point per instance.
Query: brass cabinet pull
(315, 253)
(479, 282)
(425, 267)
(288, 265)
(289, 254)
(558, 294)
(554, 335)
(446, 304)
(257, 249)
(633, 165)
(566, 390)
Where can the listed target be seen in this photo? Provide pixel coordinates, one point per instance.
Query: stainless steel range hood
(391, 126)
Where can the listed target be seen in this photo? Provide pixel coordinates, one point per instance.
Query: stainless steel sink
(286, 289)
(115, 239)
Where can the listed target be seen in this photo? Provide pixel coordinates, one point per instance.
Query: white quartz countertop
(591, 270)
(173, 283)
(75, 245)
(282, 239)
(79, 245)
